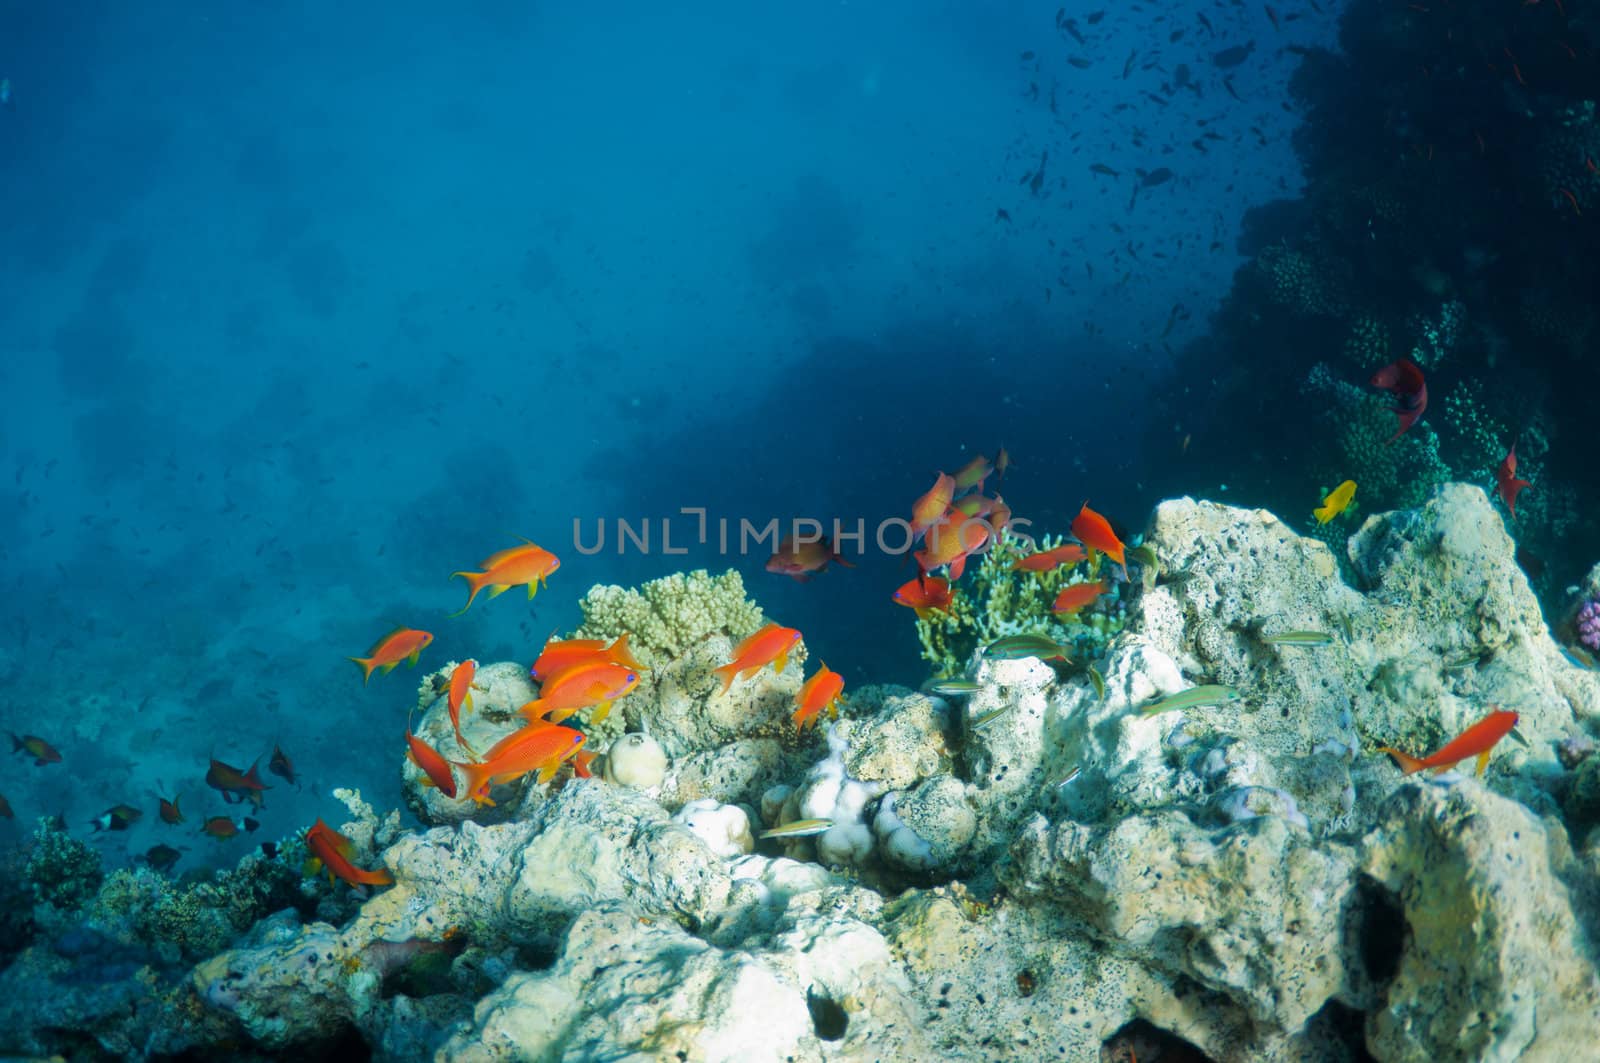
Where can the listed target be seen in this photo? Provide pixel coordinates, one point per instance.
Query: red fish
(950, 544)
(820, 693)
(222, 828)
(1094, 531)
(281, 766)
(1077, 595)
(234, 783)
(926, 594)
(930, 508)
(436, 767)
(1045, 560)
(527, 565)
(539, 747)
(799, 560)
(335, 854)
(1506, 484)
(1405, 382)
(561, 655)
(1475, 741)
(461, 694)
(170, 812)
(401, 644)
(41, 751)
(770, 645)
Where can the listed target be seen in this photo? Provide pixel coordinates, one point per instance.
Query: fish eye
(631, 677)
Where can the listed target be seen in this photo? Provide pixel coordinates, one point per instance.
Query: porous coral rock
(499, 690)
(636, 760)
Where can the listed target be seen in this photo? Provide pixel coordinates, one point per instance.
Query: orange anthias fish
(799, 559)
(593, 683)
(222, 828)
(335, 853)
(170, 812)
(558, 656)
(1506, 484)
(540, 747)
(930, 508)
(770, 645)
(925, 594)
(1045, 560)
(1405, 382)
(821, 692)
(461, 694)
(1475, 741)
(950, 544)
(1077, 595)
(1094, 531)
(527, 565)
(433, 765)
(41, 751)
(1002, 462)
(233, 783)
(401, 644)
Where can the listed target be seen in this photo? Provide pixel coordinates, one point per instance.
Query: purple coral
(1589, 624)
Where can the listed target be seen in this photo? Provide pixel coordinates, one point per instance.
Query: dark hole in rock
(1142, 1041)
(540, 956)
(1382, 930)
(1343, 1025)
(827, 1017)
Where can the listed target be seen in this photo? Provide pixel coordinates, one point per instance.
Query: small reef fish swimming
(925, 594)
(539, 747)
(771, 645)
(435, 767)
(1075, 596)
(170, 812)
(970, 476)
(953, 688)
(1095, 532)
(222, 828)
(1299, 638)
(1098, 681)
(931, 507)
(162, 857)
(1002, 462)
(1506, 484)
(41, 751)
(1475, 741)
(820, 693)
(117, 817)
(460, 694)
(1405, 382)
(235, 785)
(1335, 502)
(1016, 647)
(989, 717)
(593, 683)
(527, 565)
(334, 853)
(1045, 560)
(803, 559)
(800, 828)
(281, 766)
(559, 655)
(950, 543)
(401, 644)
(1192, 698)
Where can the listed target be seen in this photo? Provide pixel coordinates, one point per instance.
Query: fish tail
(366, 665)
(478, 778)
(726, 673)
(1408, 764)
(380, 877)
(535, 709)
(620, 652)
(475, 583)
(600, 713)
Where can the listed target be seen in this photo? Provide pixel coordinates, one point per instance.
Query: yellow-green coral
(61, 870)
(665, 616)
(996, 600)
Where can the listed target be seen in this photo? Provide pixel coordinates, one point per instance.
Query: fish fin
(474, 585)
(534, 710)
(387, 668)
(726, 674)
(1483, 762)
(1408, 764)
(600, 713)
(957, 567)
(498, 589)
(533, 588)
(364, 663)
(557, 715)
(415, 656)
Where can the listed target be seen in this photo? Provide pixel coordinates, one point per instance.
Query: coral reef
(1070, 874)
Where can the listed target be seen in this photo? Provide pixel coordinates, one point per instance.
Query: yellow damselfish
(1336, 502)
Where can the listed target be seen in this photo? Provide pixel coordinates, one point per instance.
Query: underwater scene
(858, 531)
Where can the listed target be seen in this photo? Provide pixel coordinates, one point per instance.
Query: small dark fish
(1206, 23)
(1000, 214)
(1081, 64)
(281, 766)
(1127, 68)
(1155, 177)
(1227, 83)
(1095, 17)
(1232, 57)
(269, 850)
(1102, 168)
(118, 817)
(41, 751)
(1038, 176)
(1026, 56)
(223, 827)
(1071, 26)
(162, 857)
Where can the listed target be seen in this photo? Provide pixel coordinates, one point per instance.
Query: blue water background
(304, 306)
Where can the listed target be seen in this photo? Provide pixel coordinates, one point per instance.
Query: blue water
(305, 306)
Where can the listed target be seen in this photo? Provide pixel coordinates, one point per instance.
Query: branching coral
(63, 871)
(999, 601)
(667, 615)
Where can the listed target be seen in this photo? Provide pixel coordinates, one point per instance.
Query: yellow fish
(1336, 502)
